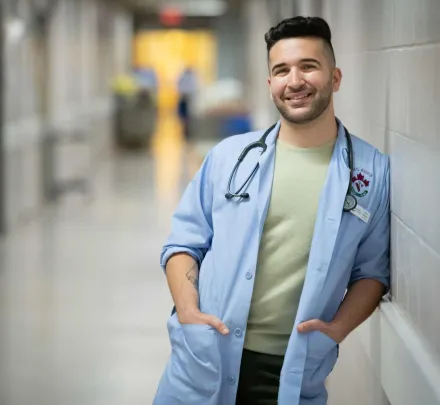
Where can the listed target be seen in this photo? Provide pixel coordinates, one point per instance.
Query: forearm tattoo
(193, 276)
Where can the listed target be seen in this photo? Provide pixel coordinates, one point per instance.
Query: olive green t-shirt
(299, 176)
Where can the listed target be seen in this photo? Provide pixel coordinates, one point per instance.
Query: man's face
(302, 78)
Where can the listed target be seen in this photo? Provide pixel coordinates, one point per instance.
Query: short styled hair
(297, 27)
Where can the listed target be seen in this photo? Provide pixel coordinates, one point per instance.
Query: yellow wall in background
(169, 51)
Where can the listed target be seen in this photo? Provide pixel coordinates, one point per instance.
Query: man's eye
(308, 67)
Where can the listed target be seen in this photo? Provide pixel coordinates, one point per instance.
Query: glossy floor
(83, 301)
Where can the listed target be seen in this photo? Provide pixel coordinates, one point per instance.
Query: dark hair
(300, 27)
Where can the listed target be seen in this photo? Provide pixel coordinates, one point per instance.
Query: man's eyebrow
(305, 60)
(278, 65)
(311, 60)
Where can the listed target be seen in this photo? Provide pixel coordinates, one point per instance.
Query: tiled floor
(83, 302)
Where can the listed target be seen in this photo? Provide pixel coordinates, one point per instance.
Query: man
(187, 87)
(287, 270)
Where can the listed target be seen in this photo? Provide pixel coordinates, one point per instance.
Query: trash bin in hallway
(134, 113)
(134, 120)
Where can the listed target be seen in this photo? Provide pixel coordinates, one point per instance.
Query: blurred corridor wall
(259, 17)
(229, 30)
(389, 52)
(86, 43)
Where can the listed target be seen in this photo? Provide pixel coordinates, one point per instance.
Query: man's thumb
(216, 323)
(309, 326)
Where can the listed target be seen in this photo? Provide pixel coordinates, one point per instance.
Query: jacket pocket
(201, 342)
(194, 367)
(322, 353)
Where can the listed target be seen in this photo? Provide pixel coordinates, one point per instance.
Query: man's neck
(310, 135)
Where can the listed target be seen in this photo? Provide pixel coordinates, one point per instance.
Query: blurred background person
(187, 88)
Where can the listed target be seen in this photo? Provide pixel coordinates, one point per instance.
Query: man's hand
(359, 303)
(328, 328)
(195, 317)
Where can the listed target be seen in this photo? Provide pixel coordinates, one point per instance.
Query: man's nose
(296, 79)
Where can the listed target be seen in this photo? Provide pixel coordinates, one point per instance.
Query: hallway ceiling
(207, 8)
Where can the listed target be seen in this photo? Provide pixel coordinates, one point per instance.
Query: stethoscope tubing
(350, 201)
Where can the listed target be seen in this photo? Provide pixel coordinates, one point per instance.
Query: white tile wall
(415, 188)
(415, 22)
(416, 281)
(389, 52)
(391, 87)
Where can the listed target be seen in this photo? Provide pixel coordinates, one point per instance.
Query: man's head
(302, 68)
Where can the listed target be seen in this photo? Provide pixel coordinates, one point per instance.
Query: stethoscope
(350, 201)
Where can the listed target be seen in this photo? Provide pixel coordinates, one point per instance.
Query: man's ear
(337, 78)
(270, 93)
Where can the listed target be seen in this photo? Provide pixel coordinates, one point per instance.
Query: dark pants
(184, 115)
(259, 379)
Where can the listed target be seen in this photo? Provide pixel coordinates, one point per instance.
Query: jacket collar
(341, 141)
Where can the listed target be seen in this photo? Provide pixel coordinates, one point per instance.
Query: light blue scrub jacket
(224, 235)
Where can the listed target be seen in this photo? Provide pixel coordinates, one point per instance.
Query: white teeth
(300, 97)
(296, 98)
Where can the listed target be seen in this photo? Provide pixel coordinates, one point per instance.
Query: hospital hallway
(83, 301)
(107, 110)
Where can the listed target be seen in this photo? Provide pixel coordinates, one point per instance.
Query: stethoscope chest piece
(350, 203)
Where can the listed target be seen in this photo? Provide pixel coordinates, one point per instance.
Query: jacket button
(231, 379)
(248, 275)
(238, 332)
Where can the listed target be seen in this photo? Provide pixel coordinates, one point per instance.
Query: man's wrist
(339, 330)
(186, 312)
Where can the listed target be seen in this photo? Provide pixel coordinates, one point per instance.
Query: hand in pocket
(199, 318)
(327, 328)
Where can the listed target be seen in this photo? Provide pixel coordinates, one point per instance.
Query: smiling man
(280, 245)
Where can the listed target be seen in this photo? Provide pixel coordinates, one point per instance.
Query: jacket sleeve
(191, 224)
(373, 256)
